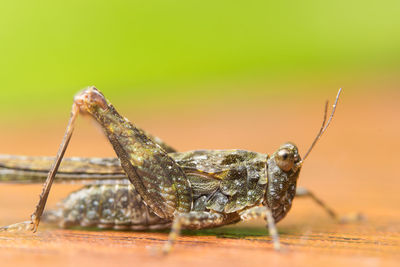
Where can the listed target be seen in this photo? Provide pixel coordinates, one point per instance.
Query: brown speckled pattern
(116, 206)
(224, 181)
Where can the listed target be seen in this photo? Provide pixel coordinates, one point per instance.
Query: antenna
(324, 126)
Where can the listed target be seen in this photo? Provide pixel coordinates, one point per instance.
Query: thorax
(224, 180)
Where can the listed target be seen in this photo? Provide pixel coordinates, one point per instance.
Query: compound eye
(284, 158)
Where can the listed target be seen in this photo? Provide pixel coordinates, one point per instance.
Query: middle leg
(192, 220)
(265, 213)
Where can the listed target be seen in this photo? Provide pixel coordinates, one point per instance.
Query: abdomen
(114, 206)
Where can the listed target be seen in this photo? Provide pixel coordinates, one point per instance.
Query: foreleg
(304, 192)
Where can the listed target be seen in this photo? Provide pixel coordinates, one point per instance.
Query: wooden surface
(353, 168)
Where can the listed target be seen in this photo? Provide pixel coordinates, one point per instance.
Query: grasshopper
(152, 186)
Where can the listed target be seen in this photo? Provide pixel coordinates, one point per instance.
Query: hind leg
(158, 179)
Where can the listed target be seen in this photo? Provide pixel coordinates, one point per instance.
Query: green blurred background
(163, 53)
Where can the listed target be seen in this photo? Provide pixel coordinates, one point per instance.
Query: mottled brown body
(225, 181)
(116, 206)
(195, 189)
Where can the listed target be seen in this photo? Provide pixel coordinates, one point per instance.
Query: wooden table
(355, 167)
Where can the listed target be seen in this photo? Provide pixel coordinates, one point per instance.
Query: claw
(166, 249)
(352, 217)
(34, 223)
(158, 251)
(27, 226)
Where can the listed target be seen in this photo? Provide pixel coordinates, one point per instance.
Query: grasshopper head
(287, 158)
(283, 170)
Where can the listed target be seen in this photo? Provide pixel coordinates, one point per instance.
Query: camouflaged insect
(151, 186)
